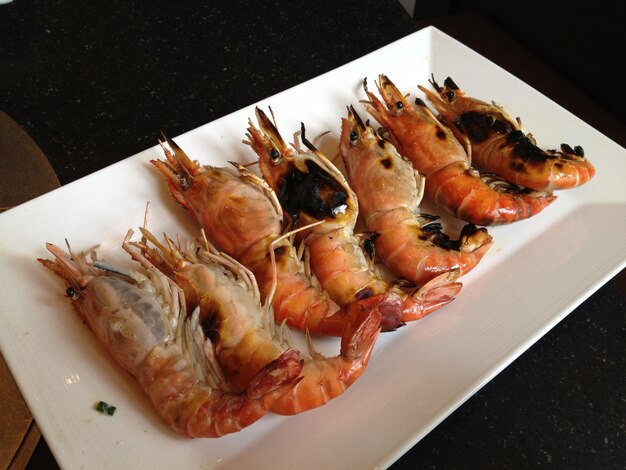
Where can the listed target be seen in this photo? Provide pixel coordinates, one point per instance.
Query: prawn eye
(353, 137)
(274, 154)
(450, 96)
(399, 105)
(70, 292)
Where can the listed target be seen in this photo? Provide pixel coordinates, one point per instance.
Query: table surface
(95, 85)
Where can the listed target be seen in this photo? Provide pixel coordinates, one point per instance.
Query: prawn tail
(433, 295)
(325, 378)
(194, 411)
(276, 378)
(534, 202)
(362, 329)
(266, 388)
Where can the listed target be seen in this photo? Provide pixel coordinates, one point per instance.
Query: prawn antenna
(275, 242)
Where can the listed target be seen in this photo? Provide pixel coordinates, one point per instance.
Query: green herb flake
(105, 408)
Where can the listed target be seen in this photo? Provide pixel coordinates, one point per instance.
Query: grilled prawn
(245, 340)
(231, 315)
(141, 319)
(451, 182)
(389, 192)
(242, 217)
(315, 195)
(499, 145)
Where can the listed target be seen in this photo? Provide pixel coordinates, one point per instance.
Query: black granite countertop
(95, 83)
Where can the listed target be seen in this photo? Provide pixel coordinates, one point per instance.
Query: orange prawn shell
(235, 216)
(499, 145)
(416, 133)
(456, 190)
(335, 262)
(378, 182)
(393, 242)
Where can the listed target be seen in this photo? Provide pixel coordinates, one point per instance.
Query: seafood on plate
(451, 182)
(389, 191)
(316, 197)
(242, 217)
(499, 145)
(141, 319)
(243, 331)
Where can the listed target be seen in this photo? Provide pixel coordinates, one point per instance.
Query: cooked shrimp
(451, 182)
(242, 217)
(312, 190)
(389, 192)
(499, 145)
(245, 338)
(141, 319)
(231, 315)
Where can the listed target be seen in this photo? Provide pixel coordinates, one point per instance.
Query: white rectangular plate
(537, 272)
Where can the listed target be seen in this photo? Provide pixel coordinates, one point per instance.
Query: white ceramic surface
(537, 272)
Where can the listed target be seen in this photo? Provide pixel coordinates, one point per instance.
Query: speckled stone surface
(95, 83)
